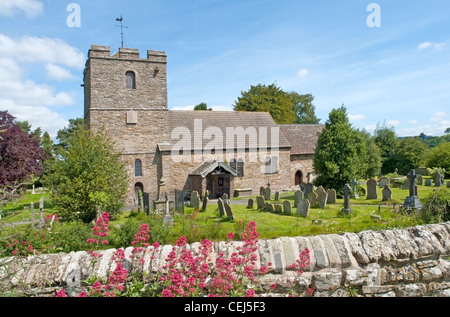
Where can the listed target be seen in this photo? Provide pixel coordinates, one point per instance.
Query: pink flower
(250, 293)
(82, 294)
(230, 236)
(273, 287)
(61, 293)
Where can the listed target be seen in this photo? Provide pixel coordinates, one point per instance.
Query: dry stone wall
(413, 262)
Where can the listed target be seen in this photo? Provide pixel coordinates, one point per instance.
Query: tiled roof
(302, 137)
(201, 123)
(210, 166)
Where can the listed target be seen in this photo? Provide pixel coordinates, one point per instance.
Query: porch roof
(210, 166)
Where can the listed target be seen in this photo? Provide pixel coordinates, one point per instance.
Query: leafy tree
(202, 106)
(447, 131)
(20, 157)
(90, 177)
(387, 140)
(409, 154)
(440, 157)
(65, 134)
(271, 99)
(341, 153)
(304, 108)
(374, 160)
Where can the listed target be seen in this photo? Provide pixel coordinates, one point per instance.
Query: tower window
(131, 80)
(138, 168)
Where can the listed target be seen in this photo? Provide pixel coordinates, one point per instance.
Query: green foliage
(409, 154)
(202, 107)
(304, 108)
(440, 157)
(436, 207)
(386, 140)
(68, 237)
(374, 159)
(341, 152)
(89, 177)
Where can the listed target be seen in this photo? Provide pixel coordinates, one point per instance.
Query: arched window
(130, 80)
(271, 165)
(138, 168)
(240, 168)
(268, 164)
(233, 164)
(274, 165)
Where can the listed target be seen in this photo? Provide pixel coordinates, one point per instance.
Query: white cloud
(35, 49)
(183, 108)
(302, 73)
(355, 117)
(393, 123)
(427, 45)
(58, 73)
(31, 8)
(222, 108)
(439, 116)
(413, 122)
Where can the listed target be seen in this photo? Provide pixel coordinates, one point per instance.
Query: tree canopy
(202, 107)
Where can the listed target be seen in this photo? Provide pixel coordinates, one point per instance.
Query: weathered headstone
(225, 198)
(312, 197)
(387, 193)
(268, 193)
(412, 201)
(228, 211)
(205, 201)
(438, 180)
(428, 182)
(260, 202)
(372, 192)
(322, 198)
(195, 199)
(269, 207)
(168, 219)
(419, 179)
(331, 196)
(297, 197)
(405, 184)
(354, 192)
(277, 196)
(303, 208)
(287, 207)
(320, 189)
(262, 191)
(383, 182)
(347, 194)
(41, 211)
(448, 184)
(308, 189)
(221, 207)
(278, 208)
(250, 204)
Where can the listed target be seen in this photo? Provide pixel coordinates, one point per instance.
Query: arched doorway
(298, 178)
(138, 187)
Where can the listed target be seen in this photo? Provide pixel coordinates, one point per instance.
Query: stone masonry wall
(413, 262)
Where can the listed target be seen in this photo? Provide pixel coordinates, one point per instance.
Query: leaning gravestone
(250, 204)
(221, 207)
(387, 193)
(287, 207)
(322, 198)
(383, 182)
(312, 197)
(297, 197)
(195, 199)
(347, 193)
(228, 211)
(438, 180)
(372, 189)
(428, 182)
(303, 208)
(331, 196)
(260, 202)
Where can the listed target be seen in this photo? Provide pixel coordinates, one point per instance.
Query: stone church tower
(127, 95)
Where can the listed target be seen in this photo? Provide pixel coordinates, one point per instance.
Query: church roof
(206, 126)
(210, 166)
(302, 137)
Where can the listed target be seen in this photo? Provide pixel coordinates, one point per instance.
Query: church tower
(127, 96)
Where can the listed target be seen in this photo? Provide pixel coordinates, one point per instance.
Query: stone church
(175, 152)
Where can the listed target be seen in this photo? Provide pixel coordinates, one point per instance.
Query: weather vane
(121, 27)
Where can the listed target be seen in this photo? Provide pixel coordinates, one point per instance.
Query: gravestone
(277, 196)
(387, 193)
(269, 207)
(278, 208)
(405, 184)
(428, 182)
(262, 191)
(250, 204)
(372, 192)
(384, 181)
(312, 197)
(308, 189)
(260, 202)
(287, 207)
(303, 208)
(195, 199)
(228, 211)
(331, 196)
(41, 223)
(354, 192)
(168, 219)
(225, 198)
(322, 198)
(412, 201)
(32, 214)
(221, 207)
(268, 193)
(297, 197)
(438, 180)
(419, 179)
(448, 184)
(347, 194)
(205, 201)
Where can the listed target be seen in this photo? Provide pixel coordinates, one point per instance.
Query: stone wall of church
(304, 164)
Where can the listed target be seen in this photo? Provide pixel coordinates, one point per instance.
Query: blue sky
(395, 73)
